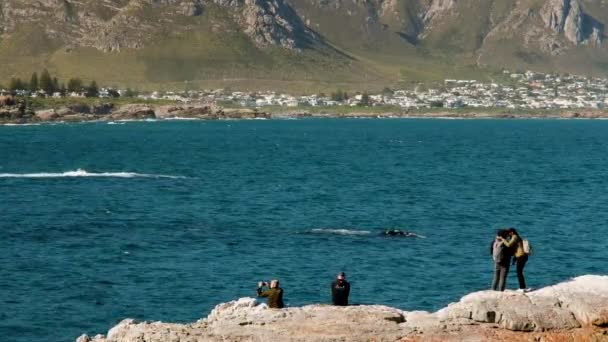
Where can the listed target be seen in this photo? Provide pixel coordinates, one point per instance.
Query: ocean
(164, 220)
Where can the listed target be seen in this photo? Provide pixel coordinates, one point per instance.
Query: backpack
(527, 247)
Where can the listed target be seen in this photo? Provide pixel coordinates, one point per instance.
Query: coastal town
(525, 90)
(522, 91)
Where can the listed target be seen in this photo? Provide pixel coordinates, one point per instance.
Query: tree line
(341, 96)
(50, 85)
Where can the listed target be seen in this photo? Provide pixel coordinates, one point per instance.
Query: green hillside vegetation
(201, 58)
(363, 46)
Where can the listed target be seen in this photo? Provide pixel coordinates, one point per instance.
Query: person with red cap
(340, 289)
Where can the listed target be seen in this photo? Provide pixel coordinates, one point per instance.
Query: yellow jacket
(515, 241)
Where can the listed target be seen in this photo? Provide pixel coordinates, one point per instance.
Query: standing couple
(508, 243)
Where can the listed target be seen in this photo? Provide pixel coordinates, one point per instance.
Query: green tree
(339, 96)
(55, 84)
(436, 104)
(46, 82)
(75, 85)
(365, 101)
(34, 82)
(113, 93)
(129, 93)
(63, 90)
(92, 90)
(16, 84)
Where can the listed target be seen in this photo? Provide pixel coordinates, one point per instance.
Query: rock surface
(111, 26)
(80, 112)
(567, 17)
(575, 310)
(115, 25)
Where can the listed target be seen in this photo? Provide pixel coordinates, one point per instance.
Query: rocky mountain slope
(576, 310)
(332, 41)
(112, 25)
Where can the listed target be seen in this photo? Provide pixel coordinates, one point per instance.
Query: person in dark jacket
(502, 260)
(274, 294)
(340, 289)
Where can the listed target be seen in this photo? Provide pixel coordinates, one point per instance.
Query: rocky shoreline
(575, 310)
(19, 114)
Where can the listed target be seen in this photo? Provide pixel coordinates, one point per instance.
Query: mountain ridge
(316, 41)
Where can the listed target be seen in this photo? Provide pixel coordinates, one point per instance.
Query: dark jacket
(340, 292)
(275, 297)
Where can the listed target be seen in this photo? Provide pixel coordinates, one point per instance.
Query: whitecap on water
(25, 124)
(340, 231)
(84, 173)
(352, 232)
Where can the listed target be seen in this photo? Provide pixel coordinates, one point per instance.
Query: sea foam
(84, 173)
(340, 231)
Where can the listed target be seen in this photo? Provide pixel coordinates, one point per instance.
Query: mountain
(298, 44)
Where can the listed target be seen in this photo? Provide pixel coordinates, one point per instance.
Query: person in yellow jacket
(516, 244)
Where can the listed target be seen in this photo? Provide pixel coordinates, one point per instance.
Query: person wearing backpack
(521, 250)
(502, 260)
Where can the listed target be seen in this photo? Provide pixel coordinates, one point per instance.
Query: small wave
(84, 173)
(180, 118)
(24, 124)
(340, 231)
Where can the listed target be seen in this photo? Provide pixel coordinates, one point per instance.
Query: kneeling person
(274, 294)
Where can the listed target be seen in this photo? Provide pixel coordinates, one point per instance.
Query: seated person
(274, 294)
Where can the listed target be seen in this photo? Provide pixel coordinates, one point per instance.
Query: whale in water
(398, 233)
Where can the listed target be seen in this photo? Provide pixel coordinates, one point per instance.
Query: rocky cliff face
(273, 22)
(572, 311)
(111, 25)
(568, 18)
(436, 9)
(511, 33)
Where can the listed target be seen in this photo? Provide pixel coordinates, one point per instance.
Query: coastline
(574, 310)
(109, 112)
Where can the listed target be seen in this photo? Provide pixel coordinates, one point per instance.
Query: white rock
(582, 301)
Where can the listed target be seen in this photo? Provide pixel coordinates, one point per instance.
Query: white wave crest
(340, 231)
(84, 173)
(24, 124)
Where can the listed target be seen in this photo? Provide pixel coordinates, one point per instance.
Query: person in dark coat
(501, 255)
(274, 294)
(340, 289)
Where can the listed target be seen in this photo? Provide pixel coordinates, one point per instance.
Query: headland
(575, 310)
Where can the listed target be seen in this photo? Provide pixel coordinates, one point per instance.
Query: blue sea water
(164, 220)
